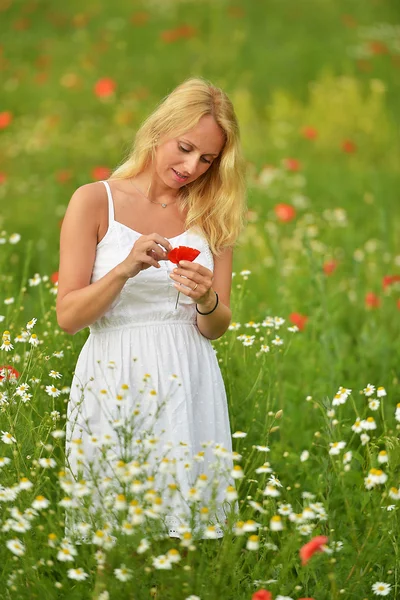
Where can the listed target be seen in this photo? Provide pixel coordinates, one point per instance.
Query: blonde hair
(215, 201)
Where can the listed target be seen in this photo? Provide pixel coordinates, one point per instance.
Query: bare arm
(79, 302)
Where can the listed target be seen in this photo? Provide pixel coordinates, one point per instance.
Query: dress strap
(110, 203)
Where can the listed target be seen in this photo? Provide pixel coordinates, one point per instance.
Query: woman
(183, 184)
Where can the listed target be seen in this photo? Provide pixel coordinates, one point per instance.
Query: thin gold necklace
(147, 198)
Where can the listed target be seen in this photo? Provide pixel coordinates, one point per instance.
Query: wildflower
(66, 553)
(16, 546)
(6, 345)
(253, 543)
(31, 323)
(285, 509)
(369, 423)
(55, 374)
(77, 574)
(380, 392)
(397, 412)
(47, 463)
(4, 460)
(381, 589)
(357, 426)
(383, 457)
(231, 493)
(262, 595)
(256, 506)
(265, 468)
(275, 523)
(161, 562)
(347, 457)
(211, 532)
(237, 472)
(239, 434)
(305, 455)
(369, 390)
(143, 546)
(394, 493)
(52, 391)
(271, 490)
(7, 438)
(336, 447)
(262, 448)
(35, 280)
(277, 341)
(40, 502)
(314, 545)
(373, 404)
(123, 574)
(364, 437)
(305, 529)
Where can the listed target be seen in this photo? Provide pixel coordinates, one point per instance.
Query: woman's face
(190, 154)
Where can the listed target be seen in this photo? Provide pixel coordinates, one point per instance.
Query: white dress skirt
(145, 358)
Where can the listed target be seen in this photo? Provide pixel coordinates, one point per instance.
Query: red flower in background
(389, 279)
(99, 173)
(3, 177)
(285, 212)
(54, 277)
(11, 372)
(372, 300)
(262, 595)
(63, 175)
(182, 253)
(299, 320)
(5, 119)
(292, 164)
(312, 547)
(105, 87)
(309, 132)
(348, 146)
(330, 266)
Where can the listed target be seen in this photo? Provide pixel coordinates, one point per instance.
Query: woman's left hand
(189, 273)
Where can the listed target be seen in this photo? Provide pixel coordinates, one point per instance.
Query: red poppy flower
(11, 372)
(99, 173)
(348, 146)
(3, 177)
(330, 266)
(309, 132)
(372, 300)
(140, 18)
(389, 279)
(182, 253)
(298, 319)
(285, 212)
(105, 87)
(5, 119)
(292, 164)
(312, 547)
(54, 277)
(262, 595)
(64, 175)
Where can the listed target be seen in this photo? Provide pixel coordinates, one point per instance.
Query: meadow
(311, 358)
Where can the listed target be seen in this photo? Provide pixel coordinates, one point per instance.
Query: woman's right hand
(145, 253)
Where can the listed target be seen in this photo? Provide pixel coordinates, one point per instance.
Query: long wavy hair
(216, 201)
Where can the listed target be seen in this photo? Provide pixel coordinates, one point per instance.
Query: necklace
(147, 198)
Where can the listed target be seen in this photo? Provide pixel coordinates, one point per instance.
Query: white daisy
(381, 589)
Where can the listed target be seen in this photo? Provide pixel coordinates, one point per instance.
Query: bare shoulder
(78, 238)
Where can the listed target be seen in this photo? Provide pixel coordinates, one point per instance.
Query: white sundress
(141, 335)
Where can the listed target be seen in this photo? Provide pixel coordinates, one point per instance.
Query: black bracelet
(200, 313)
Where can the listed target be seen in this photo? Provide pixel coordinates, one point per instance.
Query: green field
(316, 88)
